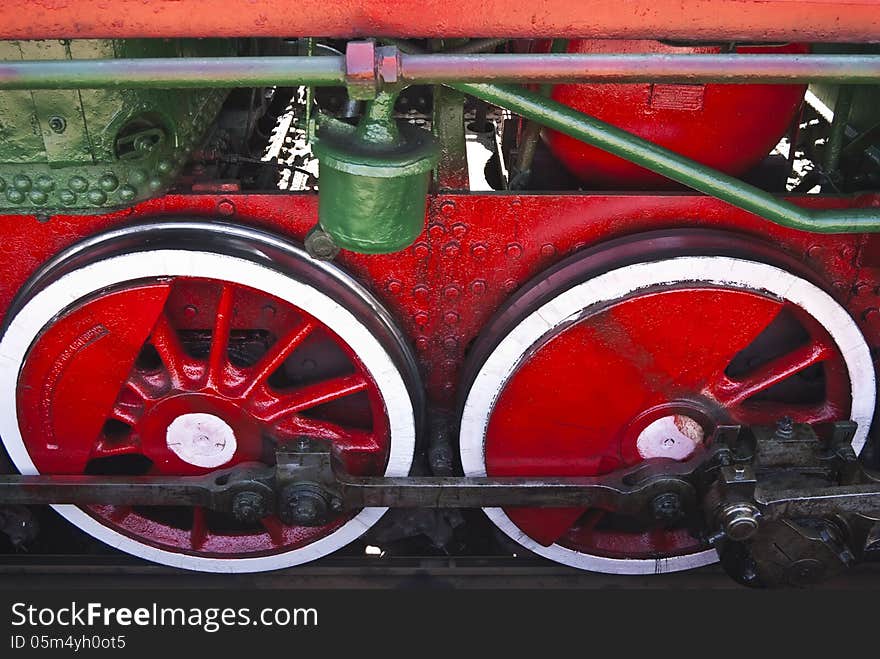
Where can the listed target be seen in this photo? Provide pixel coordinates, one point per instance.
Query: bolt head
(319, 244)
(740, 521)
(388, 64)
(805, 572)
(304, 504)
(305, 510)
(666, 507)
(249, 507)
(57, 124)
(785, 428)
(226, 208)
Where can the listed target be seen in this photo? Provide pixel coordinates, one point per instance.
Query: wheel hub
(671, 430)
(188, 433)
(675, 437)
(199, 439)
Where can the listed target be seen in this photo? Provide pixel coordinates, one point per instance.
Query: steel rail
(438, 68)
(672, 165)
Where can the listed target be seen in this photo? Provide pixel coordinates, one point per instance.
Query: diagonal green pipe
(663, 161)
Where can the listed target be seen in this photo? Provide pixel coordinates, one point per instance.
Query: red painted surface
(476, 250)
(728, 127)
(98, 347)
(84, 371)
(754, 20)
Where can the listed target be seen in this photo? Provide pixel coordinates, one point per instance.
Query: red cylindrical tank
(729, 127)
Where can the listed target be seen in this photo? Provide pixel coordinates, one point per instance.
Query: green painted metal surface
(679, 168)
(448, 127)
(87, 150)
(373, 179)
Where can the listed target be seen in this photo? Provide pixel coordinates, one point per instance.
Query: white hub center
(675, 436)
(203, 440)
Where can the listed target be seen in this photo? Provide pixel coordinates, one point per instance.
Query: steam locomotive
(284, 281)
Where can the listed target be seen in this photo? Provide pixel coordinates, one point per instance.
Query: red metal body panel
(753, 20)
(477, 250)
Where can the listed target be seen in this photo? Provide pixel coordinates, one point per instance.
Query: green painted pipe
(438, 68)
(172, 72)
(679, 168)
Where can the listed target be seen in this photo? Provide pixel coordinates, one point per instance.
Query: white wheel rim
(40, 310)
(571, 305)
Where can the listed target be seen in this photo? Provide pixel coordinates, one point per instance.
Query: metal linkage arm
(245, 490)
(109, 490)
(305, 488)
(776, 504)
(312, 487)
(530, 492)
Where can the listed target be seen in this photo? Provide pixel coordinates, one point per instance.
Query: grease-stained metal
(216, 491)
(628, 491)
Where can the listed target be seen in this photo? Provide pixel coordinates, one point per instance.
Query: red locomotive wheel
(641, 362)
(175, 361)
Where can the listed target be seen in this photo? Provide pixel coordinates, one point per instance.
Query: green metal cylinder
(373, 183)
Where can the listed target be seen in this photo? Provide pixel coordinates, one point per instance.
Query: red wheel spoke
(277, 354)
(140, 387)
(345, 439)
(217, 358)
(110, 447)
(680, 348)
(821, 414)
(731, 392)
(126, 412)
(768, 413)
(167, 344)
(316, 394)
(199, 532)
(274, 528)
